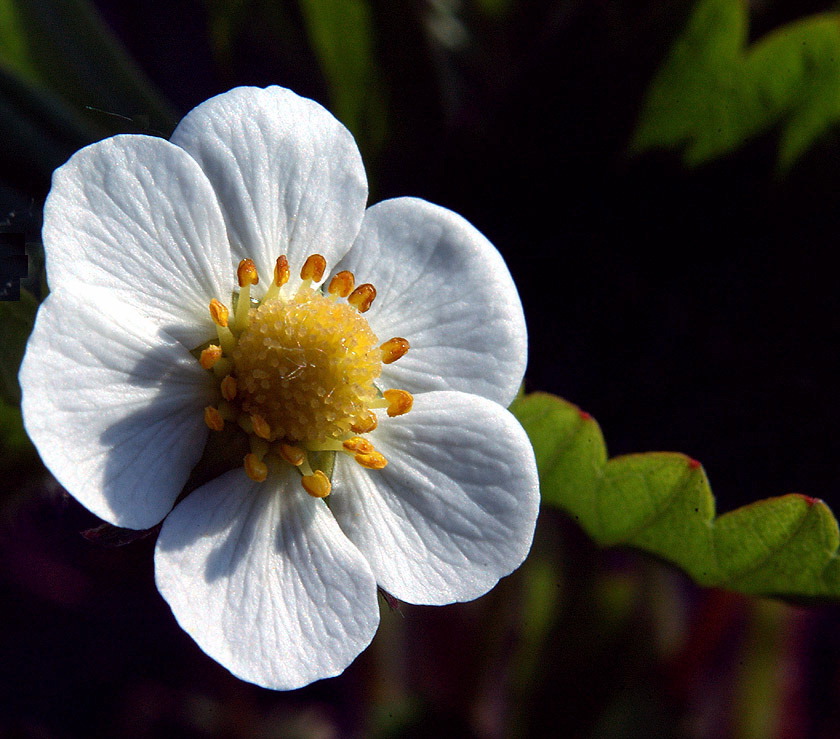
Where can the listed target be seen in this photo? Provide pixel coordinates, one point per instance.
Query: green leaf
(662, 503)
(714, 92)
(16, 320)
(342, 36)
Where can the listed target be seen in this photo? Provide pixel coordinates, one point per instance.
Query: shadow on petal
(157, 435)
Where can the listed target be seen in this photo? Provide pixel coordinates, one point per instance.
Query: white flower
(132, 357)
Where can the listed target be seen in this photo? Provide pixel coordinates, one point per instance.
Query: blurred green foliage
(16, 321)
(661, 502)
(715, 91)
(341, 34)
(62, 46)
(54, 97)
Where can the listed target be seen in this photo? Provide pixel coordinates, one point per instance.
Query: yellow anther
(294, 455)
(342, 284)
(210, 356)
(213, 418)
(393, 349)
(399, 402)
(313, 268)
(372, 461)
(246, 273)
(228, 388)
(281, 271)
(260, 426)
(358, 444)
(255, 468)
(281, 277)
(317, 485)
(219, 313)
(362, 297)
(364, 424)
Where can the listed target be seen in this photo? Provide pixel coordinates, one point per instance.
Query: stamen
(358, 444)
(399, 402)
(259, 447)
(393, 349)
(247, 275)
(213, 418)
(260, 427)
(294, 455)
(281, 277)
(317, 485)
(210, 356)
(227, 411)
(313, 268)
(256, 469)
(219, 313)
(228, 388)
(301, 371)
(305, 468)
(342, 284)
(362, 297)
(372, 461)
(281, 271)
(223, 367)
(364, 424)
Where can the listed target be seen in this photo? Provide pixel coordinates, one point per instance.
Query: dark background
(692, 310)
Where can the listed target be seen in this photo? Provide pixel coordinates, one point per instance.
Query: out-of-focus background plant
(662, 178)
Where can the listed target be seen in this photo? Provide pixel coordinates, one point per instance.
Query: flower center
(297, 371)
(307, 367)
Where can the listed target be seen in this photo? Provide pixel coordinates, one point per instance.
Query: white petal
(115, 407)
(260, 575)
(136, 215)
(444, 287)
(289, 176)
(455, 508)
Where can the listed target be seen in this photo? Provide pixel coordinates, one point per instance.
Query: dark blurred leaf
(225, 18)
(15, 447)
(661, 502)
(39, 133)
(63, 46)
(494, 8)
(714, 92)
(763, 673)
(341, 34)
(108, 535)
(16, 320)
